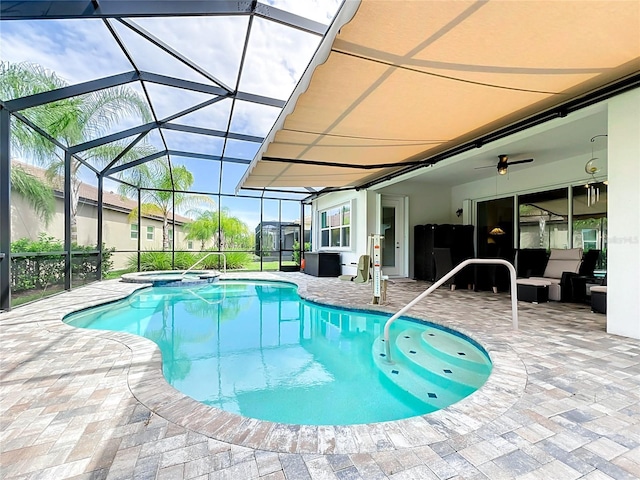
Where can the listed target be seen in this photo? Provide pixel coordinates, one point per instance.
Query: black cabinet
(457, 238)
(322, 264)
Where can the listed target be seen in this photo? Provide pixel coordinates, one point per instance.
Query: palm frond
(38, 194)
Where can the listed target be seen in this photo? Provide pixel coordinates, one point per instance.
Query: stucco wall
(427, 204)
(359, 226)
(623, 268)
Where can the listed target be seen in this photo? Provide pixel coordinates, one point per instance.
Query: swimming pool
(257, 349)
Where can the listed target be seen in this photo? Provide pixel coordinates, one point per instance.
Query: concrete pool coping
(146, 382)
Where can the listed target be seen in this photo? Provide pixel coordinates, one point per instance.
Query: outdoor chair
(560, 262)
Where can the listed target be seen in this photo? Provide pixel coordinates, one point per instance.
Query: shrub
(238, 260)
(296, 250)
(150, 261)
(235, 260)
(43, 262)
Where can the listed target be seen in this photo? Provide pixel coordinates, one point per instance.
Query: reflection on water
(258, 350)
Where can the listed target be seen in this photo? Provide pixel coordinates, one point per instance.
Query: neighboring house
(119, 231)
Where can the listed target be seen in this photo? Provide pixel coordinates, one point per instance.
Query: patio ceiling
(406, 84)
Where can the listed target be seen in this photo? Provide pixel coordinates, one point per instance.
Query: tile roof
(89, 194)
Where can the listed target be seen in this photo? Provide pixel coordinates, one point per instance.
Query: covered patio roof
(402, 84)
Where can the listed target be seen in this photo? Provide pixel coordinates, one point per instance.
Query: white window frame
(340, 210)
(134, 231)
(152, 232)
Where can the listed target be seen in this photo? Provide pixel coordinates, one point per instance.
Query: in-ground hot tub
(172, 278)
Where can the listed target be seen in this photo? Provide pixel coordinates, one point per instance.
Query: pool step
(412, 382)
(424, 368)
(453, 349)
(441, 371)
(146, 301)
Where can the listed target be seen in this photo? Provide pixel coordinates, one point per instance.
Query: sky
(276, 57)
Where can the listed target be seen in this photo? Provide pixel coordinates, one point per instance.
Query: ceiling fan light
(497, 231)
(502, 169)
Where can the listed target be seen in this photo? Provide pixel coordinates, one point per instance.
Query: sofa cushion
(563, 261)
(549, 280)
(536, 282)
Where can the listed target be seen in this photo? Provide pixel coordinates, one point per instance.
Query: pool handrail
(224, 262)
(452, 272)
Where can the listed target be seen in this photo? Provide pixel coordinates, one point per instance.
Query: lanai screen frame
(121, 11)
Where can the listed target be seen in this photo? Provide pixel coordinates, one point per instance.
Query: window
(189, 245)
(134, 231)
(170, 237)
(589, 239)
(335, 226)
(543, 219)
(150, 233)
(590, 221)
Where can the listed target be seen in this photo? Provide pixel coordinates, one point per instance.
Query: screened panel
(53, 45)
(267, 239)
(231, 175)
(308, 226)
(84, 227)
(151, 58)
(290, 230)
(215, 116)
(205, 173)
(252, 118)
(268, 44)
(37, 233)
(196, 224)
(220, 58)
(193, 142)
(93, 115)
(168, 100)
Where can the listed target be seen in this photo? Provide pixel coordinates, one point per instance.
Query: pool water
(257, 349)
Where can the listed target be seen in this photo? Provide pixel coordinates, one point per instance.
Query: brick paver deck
(563, 402)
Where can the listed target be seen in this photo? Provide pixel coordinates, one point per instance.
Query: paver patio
(563, 402)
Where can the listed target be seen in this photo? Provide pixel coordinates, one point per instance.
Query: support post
(5, 210)
(67, 220)
(100, 230)
(139, 227)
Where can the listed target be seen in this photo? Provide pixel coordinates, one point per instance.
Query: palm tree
(38, 194)
(71, 121)
(203, 228)
(232, 234)
(161, 202)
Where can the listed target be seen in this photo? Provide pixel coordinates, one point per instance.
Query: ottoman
(534, 291)
(599, 299)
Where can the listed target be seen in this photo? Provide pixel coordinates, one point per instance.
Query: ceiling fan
(503, 163)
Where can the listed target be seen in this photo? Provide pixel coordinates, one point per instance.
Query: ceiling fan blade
(528, 160)
(486, 166)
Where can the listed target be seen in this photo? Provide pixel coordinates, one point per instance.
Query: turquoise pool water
(258, 350)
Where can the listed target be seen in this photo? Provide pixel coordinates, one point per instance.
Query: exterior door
(392, 227)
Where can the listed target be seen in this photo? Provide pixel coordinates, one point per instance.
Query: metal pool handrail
(224, 262)
(460, 266)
